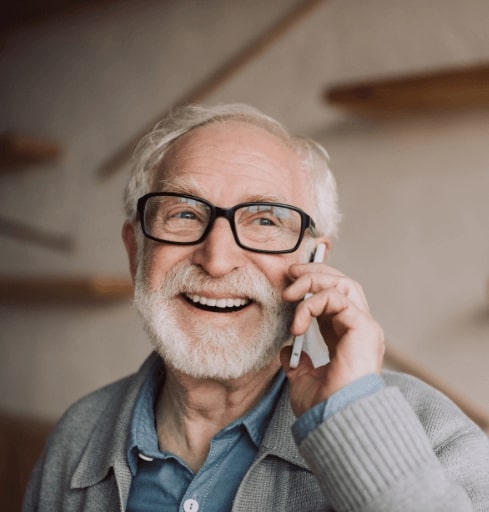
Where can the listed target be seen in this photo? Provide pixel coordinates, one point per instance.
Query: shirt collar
(143, 438)
(256, 421)
(142, 431)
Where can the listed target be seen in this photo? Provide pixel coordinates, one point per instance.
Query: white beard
(205, 351)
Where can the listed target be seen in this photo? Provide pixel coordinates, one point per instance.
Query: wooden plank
(216, 79)
(400, 361)
(27, 233)
(18, 150)
(447, 89)
(25, 290)
(27, 13)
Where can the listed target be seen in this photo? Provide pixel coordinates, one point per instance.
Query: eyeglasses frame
(215, 211)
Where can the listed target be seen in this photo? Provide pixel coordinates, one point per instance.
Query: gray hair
(151, 151)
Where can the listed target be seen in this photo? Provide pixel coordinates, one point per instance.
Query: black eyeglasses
(183, 219)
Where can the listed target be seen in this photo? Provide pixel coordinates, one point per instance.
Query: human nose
(219, 253)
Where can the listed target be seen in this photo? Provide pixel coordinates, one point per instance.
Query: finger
(298, 269)
(318, 281)
(333, 311)
(285, 354)
(327, 303)
(305, 363)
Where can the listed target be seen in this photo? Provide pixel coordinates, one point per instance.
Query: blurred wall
(413, 191)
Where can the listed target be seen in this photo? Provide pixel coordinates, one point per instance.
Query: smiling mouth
(221, 305)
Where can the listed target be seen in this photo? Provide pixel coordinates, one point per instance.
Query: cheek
(277, 272)
(159, 260)
(276, 269)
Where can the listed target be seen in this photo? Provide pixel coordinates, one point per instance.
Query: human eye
(261, 216)
(176, 217)
(264, 216)
(184, 215)
(263, 221)
(183, 209)
(268, 215)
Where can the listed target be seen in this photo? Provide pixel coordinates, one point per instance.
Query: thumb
(285, 354)
(305, 363)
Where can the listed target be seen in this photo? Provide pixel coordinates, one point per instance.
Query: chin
(215, 354)
(205, 349)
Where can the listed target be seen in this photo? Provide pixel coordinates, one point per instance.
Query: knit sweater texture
(404, 448)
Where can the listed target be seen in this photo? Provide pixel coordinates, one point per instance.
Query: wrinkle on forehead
(181, 185)
(190, 186)
(243, 148)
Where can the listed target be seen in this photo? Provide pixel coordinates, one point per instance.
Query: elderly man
(225, 210)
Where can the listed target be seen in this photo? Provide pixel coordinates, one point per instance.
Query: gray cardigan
(405, 448)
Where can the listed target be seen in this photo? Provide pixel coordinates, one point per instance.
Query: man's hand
(354, 339)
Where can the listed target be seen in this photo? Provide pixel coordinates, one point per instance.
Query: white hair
(152, 149)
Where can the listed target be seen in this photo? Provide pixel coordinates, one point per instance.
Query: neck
(189, 411)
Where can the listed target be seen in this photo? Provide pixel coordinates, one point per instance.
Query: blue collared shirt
(163, 482)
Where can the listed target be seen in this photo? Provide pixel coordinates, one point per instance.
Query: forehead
(233, 159)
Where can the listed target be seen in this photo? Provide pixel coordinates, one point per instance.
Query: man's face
(214, 309)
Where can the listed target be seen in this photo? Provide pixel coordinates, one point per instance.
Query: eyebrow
(268, 198)
(191, 187)
(182, 186)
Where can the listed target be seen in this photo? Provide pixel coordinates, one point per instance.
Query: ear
(130, 243)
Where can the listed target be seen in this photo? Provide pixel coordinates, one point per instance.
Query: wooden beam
(26, 290)
(27, 233)
(18, 150)
(216, 79)
(400, 361)
(27, 13)
(455, 88)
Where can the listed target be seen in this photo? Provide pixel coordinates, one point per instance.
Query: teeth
(219, 303)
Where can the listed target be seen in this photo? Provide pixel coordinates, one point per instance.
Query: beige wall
(413, 191)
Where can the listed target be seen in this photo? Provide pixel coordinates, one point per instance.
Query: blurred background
(398, 92)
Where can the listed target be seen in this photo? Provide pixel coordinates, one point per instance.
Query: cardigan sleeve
(383, 453)
(360, 388)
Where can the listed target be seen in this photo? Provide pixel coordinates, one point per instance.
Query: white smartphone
(299, 340)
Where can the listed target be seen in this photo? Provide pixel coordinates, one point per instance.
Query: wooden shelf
(24, 290)
(18, 150)
(33, 235)
(464, 87)
(18, 15)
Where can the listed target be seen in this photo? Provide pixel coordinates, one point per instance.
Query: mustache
(191, 279)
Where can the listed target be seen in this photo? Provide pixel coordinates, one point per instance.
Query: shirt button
(191, 506)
